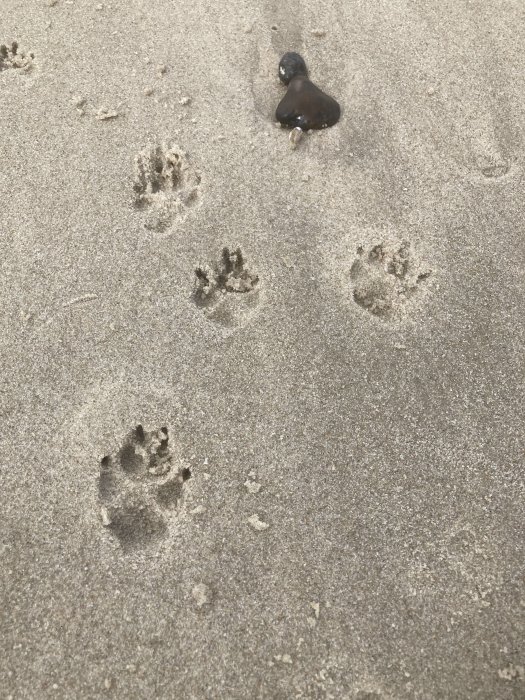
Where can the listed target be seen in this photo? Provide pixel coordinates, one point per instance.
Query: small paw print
(11, 57)
(140, 488)
(165, 184)
(227, 289)
(385, 278)
(228, 275)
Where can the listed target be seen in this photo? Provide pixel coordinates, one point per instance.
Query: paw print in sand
(227, 290)
(11, 57)
(166, 186)
(385, 278)
(141, 488)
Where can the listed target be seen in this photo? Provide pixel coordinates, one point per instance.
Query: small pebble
(198, 510)
(148, 91)
(295, 137)
(257, 524)
(163, 69)
(318, 32)
(201, 594)
(185, 101)
(104, 514)
(316, 608)
(511, 673)
(104, 113)
(283, 658)
(252, 486)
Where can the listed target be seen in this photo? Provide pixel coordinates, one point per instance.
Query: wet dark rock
(304, 105)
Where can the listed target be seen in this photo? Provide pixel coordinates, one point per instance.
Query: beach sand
(338, 511)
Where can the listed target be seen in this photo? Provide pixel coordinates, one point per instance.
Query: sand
(338, 510)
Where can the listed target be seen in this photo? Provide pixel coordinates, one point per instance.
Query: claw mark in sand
(141, 489)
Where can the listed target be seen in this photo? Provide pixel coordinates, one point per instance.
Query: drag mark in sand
(226, 290)
(385, 278)
(140, 488)
(80, 300)
(165, 185)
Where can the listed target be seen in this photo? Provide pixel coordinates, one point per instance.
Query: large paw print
(11, 57)
(385, 278)
(165, 185)
(226, 290)
(141, 488)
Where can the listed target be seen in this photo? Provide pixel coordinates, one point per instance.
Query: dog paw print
(166, 186)
(141, 489)
(227, 290)
(385, 278)
(11, 57)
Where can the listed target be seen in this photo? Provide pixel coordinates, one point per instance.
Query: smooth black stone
(306, 106)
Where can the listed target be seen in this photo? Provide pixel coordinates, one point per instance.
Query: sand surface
(338, 512)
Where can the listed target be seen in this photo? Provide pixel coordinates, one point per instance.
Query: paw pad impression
(227, 289)
(140, 488)
(386, 277)
(165, 185)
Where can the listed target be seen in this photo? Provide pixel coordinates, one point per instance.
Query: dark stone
(304, 105)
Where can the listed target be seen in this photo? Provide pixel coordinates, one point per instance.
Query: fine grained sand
(379, 412)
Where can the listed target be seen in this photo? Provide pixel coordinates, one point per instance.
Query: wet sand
(335, 507)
